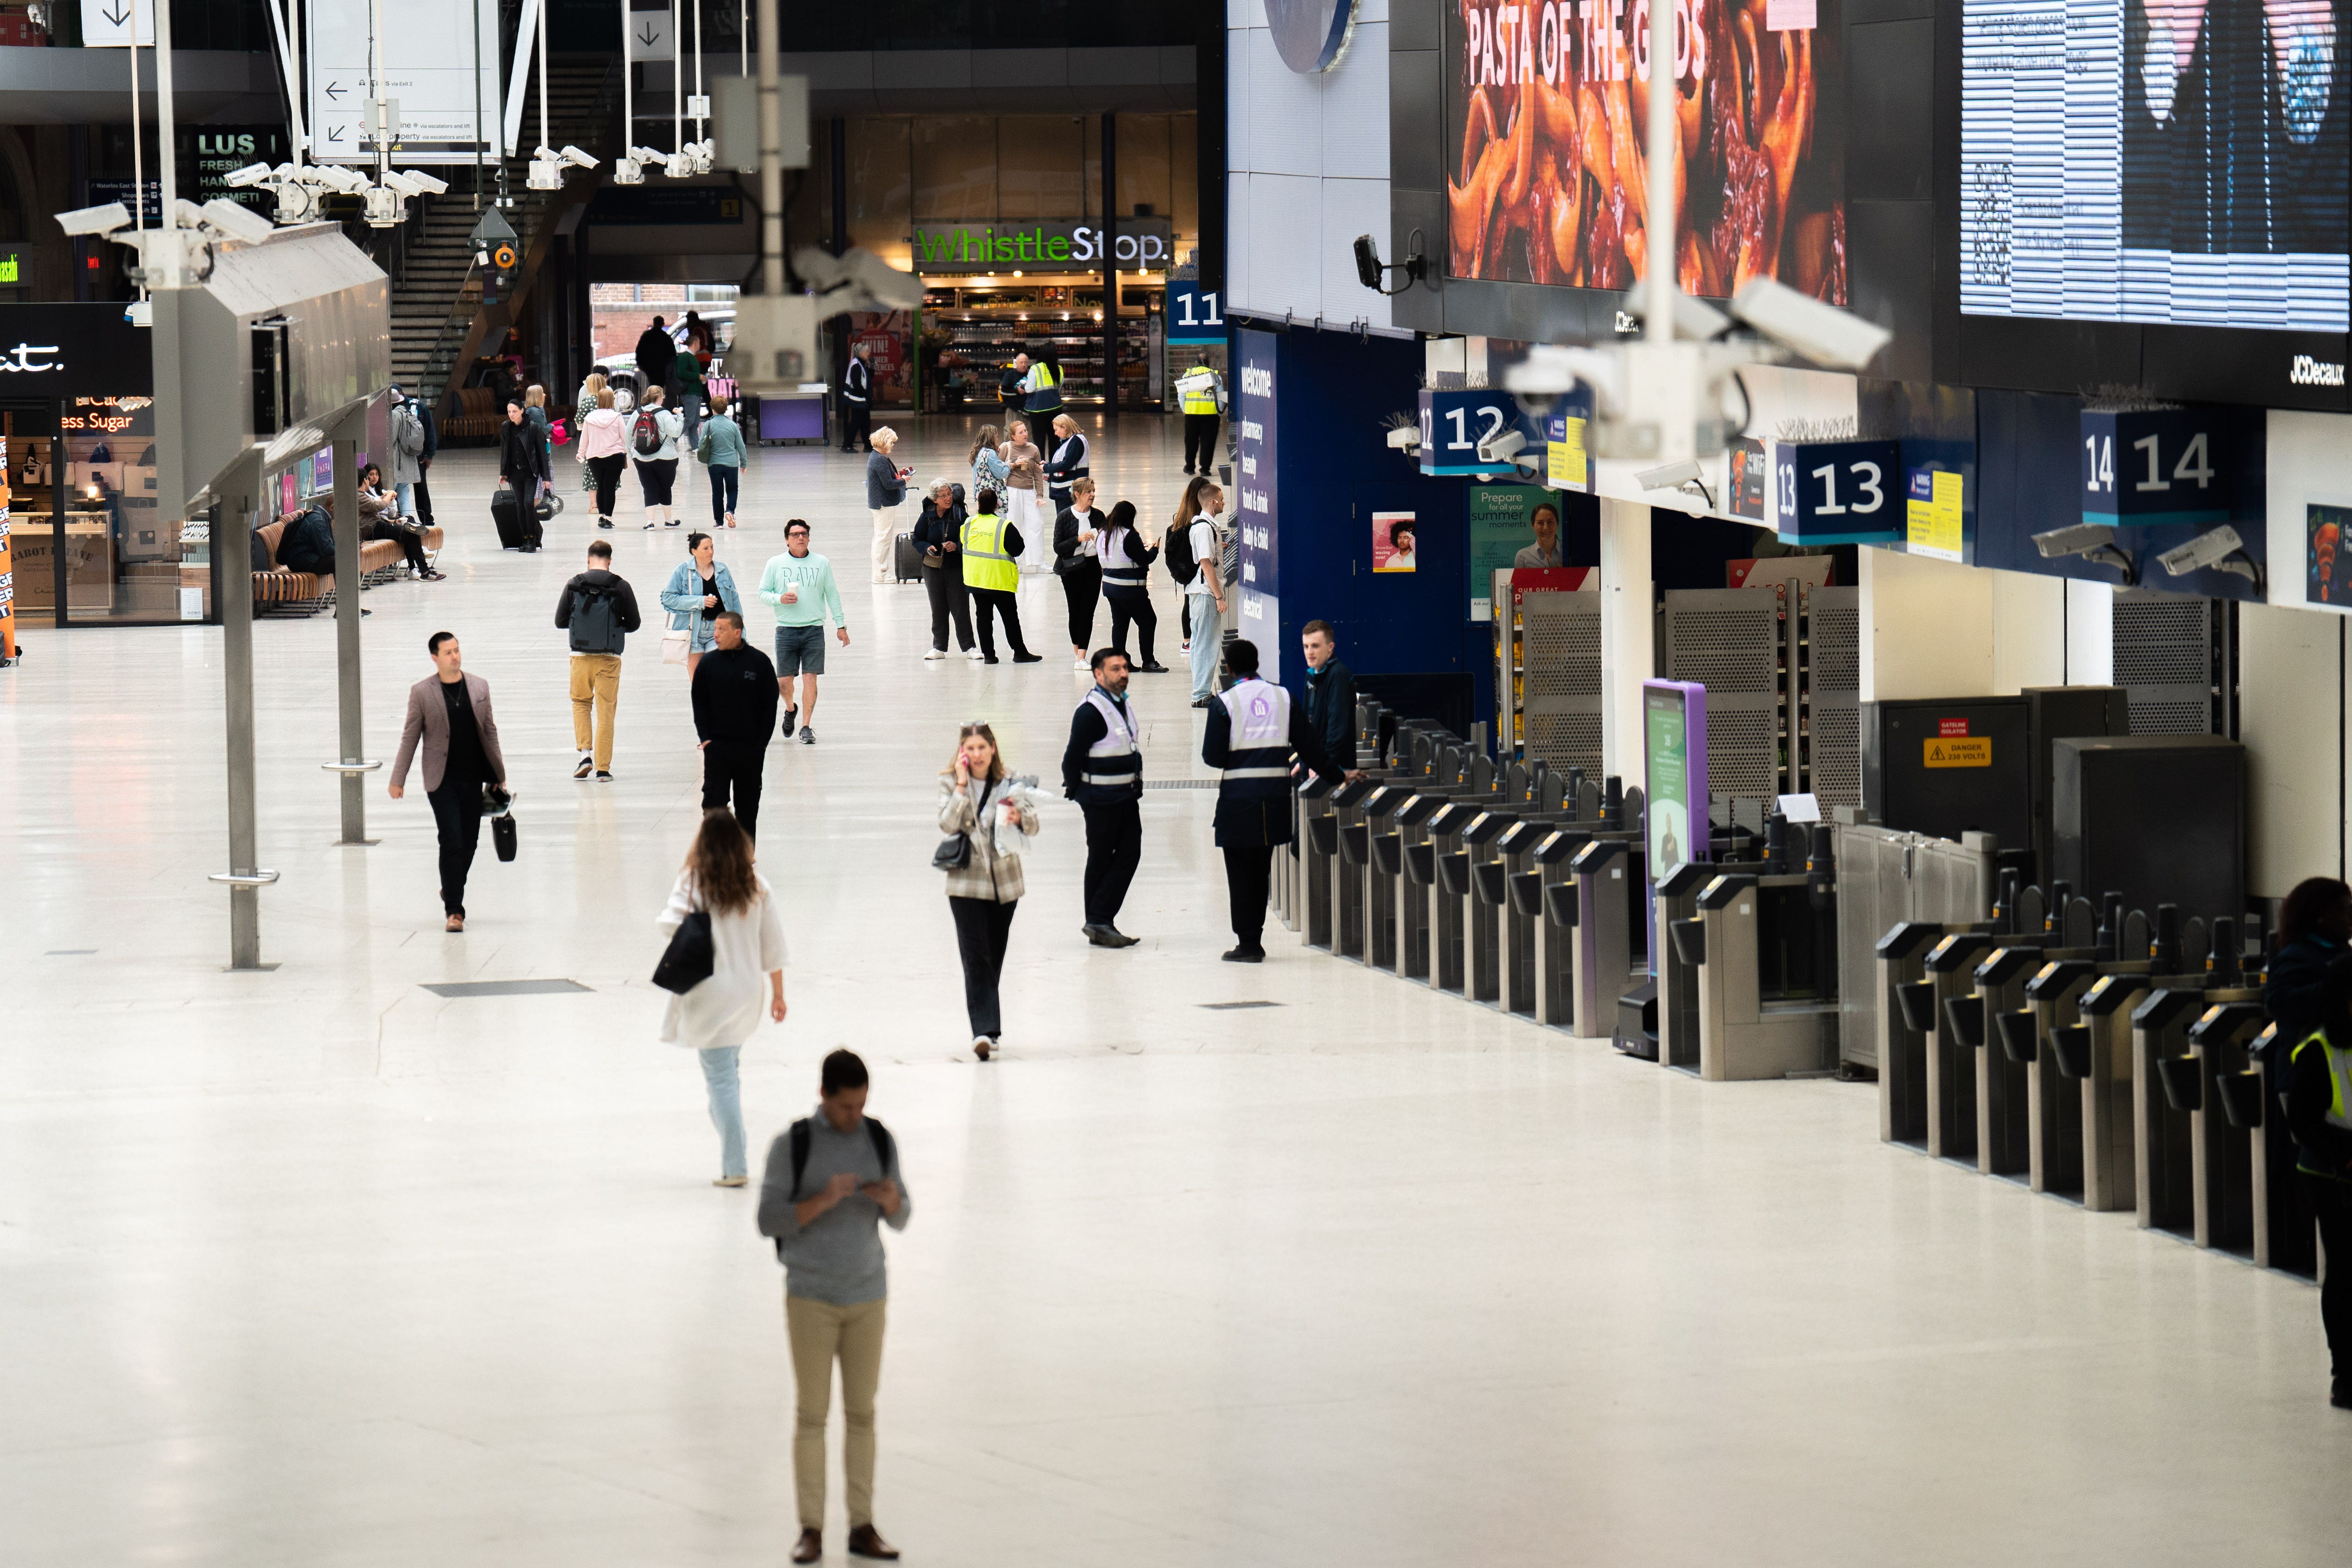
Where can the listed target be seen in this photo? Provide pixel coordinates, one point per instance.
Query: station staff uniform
(991, 548)
(2319, 1113)
(1102, 770)
(1201, 393)
(1043, 386)
(1254, 730)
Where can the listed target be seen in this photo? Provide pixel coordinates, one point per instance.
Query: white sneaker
(974, 655)
(929, 654)
(1188, 646)
(983, 1046)
(1085, 664)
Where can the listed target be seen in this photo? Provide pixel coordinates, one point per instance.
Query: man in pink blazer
(449, 712)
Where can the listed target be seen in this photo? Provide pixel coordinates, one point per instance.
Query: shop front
(992, 291)
(89, 544)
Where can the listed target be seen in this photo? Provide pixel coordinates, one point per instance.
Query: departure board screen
(2156, 161)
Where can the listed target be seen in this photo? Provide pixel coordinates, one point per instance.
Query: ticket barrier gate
(1449, 891)
(1482, 915)
(2055, 1121)
(2164, 1088)
(1998, 1094)
(1347, 867)
(1943, 1005)
(1405, 856)
(1377, 889)
(1675, 899)
(2096, 1053)
(1555, 887)
(1611, 929)
(1514, 881)
(1319, 847)
(1741, 1034)
(1900, 957)
(2283, 1233)
(2226, 1091)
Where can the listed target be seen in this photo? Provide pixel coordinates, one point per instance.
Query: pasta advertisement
(1546, 115)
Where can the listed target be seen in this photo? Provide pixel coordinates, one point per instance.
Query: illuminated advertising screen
(2166, 161)
(1546, 116)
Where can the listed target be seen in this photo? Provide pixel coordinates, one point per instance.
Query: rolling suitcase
(517, 526)
(909, 558)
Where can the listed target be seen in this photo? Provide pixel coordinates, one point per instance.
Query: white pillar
(1629, 634)
(2291, 720)
(2029, 631)
(1926, 627)
(2090, 633)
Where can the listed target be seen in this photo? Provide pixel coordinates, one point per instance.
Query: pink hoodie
(603, 434)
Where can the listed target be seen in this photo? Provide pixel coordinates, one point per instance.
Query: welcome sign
(1142, 244)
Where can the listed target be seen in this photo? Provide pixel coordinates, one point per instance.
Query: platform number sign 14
(1836, 492)
(2160, 466)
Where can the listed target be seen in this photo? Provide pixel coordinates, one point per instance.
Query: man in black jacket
(1102, 770)
(424, 461)
(857, 402)
(599, 609)
(657, 355)
(734, 714)
(1330, 692)
(1252, 732)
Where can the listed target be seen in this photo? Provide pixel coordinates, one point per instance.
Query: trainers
(649, 527)
(1028, 658)
(587, 765)
(808, 736)
(983, 1046)
(604, 522)
(1084, 664)
(671, 524)
(603, 777)
(935, 653)
(1249, 954)
(1186, 647)
(974, 655)
(792, 717)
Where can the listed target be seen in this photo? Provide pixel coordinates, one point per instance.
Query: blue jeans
(726, 1105)
(1208, 645)
(402, 495)
(723, 489)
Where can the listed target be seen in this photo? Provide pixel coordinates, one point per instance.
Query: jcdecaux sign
(1144, 243)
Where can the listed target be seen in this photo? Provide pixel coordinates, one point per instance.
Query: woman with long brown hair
(1186, 511)
(976, 800)
(747, 940)
(988, 469)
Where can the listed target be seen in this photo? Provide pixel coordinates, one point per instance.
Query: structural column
(353, 768)
(234, 510)
(1629, 634)
(1109, 269)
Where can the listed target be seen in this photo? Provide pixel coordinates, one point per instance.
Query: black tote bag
(690, 957)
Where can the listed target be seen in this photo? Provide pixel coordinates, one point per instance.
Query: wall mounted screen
(1546, 109)
(2156, 161)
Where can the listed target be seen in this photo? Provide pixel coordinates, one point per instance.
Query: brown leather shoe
(866, 1541)
(811, 1546)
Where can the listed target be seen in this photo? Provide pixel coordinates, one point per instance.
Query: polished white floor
(314, 1268)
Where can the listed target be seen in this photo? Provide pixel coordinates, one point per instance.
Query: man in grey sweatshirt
(833, 1180)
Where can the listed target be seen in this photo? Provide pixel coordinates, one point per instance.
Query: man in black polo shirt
(734, 714)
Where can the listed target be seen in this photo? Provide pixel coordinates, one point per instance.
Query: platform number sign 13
(2158, 466)
(1837, 492)
(1195, 315)
(1454, 424)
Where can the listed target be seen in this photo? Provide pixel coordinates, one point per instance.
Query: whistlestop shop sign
(1141, 244)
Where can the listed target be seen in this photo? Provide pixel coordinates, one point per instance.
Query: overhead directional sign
(107, 23)
(429, 61)
(653, 30)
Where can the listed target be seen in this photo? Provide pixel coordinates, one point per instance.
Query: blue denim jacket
(682, 597)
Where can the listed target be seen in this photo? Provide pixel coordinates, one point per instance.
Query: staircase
(438, 323)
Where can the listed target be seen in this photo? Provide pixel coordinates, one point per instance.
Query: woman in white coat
(747, 938)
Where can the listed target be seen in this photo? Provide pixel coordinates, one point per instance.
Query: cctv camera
(2093, 541)
(426, 185)
(1503, 448)
(400, 184)
(547, 176)
(1822, 334)
(2221, 550)
(1405, 439)
(1368, 261)
(625, 172)
(1551, 369)
(1670, 476)
(648, 154)
(238, 221)
(250, 175)
(577, 158)
(100, 220)
(1693, 319)
(678, 165)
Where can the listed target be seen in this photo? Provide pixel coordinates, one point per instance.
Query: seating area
(473, 414)
(281, 591)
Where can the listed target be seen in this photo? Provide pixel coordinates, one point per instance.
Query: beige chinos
(820, 1333)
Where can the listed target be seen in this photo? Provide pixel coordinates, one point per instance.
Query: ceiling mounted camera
(2093, 541)
(2221, 550)
(1372, 272)
(1818, 331)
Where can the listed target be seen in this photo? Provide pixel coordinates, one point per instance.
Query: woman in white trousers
(886, 487)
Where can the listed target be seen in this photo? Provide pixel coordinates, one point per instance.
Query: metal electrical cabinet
(1548, 673)
(2158, 818)
(1887, 877)
(1729, 641)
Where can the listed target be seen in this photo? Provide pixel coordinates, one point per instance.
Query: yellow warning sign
(1959, 752)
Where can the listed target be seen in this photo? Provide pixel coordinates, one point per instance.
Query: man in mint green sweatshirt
(801, 589)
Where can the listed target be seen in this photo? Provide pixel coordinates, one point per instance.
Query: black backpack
(596, 619)
(801, 1134)
(308, 544)
(1178, 550)
(647, 437)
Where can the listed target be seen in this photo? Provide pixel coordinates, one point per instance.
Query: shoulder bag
(690, 956)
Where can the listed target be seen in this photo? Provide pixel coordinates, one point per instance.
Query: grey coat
(428, 721)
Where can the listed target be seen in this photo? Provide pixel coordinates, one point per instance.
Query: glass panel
(1040, 163)
(32, 534)
(125, 559)
(879, 175)
(955, 169)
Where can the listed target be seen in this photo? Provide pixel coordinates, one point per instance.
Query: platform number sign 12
(1454, 424)
(1195, 315)
(2160, 465)
(1837, 492)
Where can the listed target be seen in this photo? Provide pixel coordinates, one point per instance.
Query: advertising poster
(2327, 578)
(1256, 518)
(1510, 526)
(1545, 113)
(888, 338)
(1394, 545)
(1747, 481)
(1673, 731)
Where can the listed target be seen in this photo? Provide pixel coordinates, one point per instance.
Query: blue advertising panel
(1838, 492)
(2160, 465)
(1254, 512)
(1454, 422)
(1195, 315)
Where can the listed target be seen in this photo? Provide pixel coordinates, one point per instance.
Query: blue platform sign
(1195, 315)
(1838, 492)
(2160, 465)
(1452, 423)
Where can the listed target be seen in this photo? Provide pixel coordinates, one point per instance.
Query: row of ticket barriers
(2115, 1058)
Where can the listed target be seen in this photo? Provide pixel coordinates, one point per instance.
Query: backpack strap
(800, 1137)
(885, 1148)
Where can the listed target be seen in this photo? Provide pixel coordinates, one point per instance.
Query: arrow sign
(336, 90)
(650, 35)
(108, 24)
(337, 134)
(651, 38)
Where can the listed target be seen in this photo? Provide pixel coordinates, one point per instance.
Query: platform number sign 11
(2160, 466)
(1195, 315)
(1837, 492)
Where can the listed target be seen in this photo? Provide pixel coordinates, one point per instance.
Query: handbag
(953, 854)
(675, 646)
(690, 957)
(498, 805)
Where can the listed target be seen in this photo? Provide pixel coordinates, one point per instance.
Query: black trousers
(1081, 587)
(733, 767)
(950, 600)
(424, 498)
(1132, 607)
(457, 817)
(1114, 849)
(2331, 1201)
(1249, 883)
(606, 472)
(1185, 613)
(988, 602)
(1201, 441)
(982, 926)
(857, 424)
(412, 545)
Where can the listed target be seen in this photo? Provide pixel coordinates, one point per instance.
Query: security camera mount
(2093, 541)
(1372, 272)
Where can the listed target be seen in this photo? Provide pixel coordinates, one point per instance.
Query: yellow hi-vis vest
(1197, 388)
(985, 562)
(2339, 1074)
